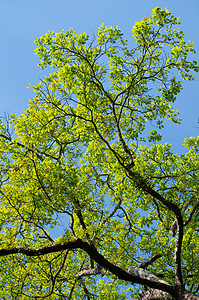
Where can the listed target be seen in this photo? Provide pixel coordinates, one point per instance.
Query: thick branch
(141, 183)
(96, 256)
(136, 271)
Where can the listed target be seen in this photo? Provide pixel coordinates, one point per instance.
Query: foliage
(84, 163)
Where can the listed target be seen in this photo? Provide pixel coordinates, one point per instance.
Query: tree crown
(84, 160)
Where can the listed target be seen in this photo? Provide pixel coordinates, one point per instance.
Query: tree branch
(142, 184)
(90, 272)
(195, 208)
(149, 261)
(97, 257)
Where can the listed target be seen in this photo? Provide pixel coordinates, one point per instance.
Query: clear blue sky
(23, 20)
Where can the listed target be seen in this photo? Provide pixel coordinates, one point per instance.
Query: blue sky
(22, 21)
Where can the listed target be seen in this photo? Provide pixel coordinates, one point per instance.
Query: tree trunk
(153, 294)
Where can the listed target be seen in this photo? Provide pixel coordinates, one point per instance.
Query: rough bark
(154, 294)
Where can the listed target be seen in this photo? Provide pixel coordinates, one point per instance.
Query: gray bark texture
(155, 294)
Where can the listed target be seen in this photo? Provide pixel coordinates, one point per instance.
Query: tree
(86, 160)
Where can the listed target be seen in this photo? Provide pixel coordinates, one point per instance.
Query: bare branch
(89, 272)
(149, 261)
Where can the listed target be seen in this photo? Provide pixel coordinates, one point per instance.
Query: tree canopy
(93, 205)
